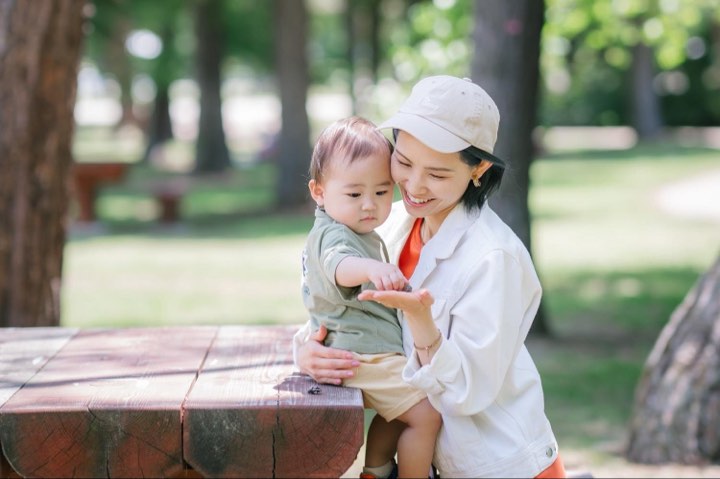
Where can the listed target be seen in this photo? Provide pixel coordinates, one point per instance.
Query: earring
(476, 181)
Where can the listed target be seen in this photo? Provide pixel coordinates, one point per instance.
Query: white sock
(380, 471)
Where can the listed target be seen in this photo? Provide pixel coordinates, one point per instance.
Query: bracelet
(434, 343)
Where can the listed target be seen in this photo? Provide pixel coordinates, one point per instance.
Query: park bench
(89, 177)
(200, 401)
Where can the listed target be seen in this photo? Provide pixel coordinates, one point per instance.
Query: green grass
(613, 265)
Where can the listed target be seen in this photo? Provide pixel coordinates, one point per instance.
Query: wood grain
(248, 415)
(23, 352)
(107, 405)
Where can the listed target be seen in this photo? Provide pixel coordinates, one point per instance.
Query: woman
(474, 290)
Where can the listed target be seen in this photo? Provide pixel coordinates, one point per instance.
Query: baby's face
(358, 194)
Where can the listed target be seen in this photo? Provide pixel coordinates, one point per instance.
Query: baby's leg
(382, 441)
(416, 444)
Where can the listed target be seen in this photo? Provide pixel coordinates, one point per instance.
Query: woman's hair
(353, 138)
(474, 196)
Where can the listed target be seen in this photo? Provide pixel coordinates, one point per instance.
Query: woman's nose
(415, 183)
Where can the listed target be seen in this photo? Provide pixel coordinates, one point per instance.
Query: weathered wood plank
(249, 416)
(5, 470)
(23, 352)
(108, 404)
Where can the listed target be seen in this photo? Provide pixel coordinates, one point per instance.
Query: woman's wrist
(426, 342)
(432, 346)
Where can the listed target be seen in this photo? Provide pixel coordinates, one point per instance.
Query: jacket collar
(451, 231)
(395, 232)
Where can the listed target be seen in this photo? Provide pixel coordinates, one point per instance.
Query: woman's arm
(489, 322)
(323, 364)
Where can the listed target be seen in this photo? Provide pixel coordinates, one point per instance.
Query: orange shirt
(410, 253)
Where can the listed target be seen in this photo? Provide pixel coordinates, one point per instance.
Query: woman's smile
(414, 201)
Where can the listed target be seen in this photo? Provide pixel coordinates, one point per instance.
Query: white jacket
(481, 379)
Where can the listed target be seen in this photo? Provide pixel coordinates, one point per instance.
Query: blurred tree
(429, 38)
(363, 47)
(212, 153)
(115, 24)
(159, 128)
(677, 405)
(40, 46)
(506, 64)
(607, 63)
(111, 23)
(291, 66)
(170, 23)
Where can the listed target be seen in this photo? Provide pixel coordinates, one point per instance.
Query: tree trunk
(350, 8)
(212, 154)
(160, 125)
(40, 46)
(118, 62)
(159, 128)
(677, 402)
(506, 65)
(294, 151)
(647, 119)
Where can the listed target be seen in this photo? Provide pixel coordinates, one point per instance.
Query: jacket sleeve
(300, 338)
(488, 325)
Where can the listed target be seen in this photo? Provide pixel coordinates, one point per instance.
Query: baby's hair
(350, 138)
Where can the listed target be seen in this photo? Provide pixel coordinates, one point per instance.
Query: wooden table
(168, 402)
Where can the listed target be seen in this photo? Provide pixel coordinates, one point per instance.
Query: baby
(352, 186)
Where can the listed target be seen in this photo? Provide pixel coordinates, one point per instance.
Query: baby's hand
(386, 276)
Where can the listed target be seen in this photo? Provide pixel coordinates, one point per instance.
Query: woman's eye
(402, 163)
(436, 177)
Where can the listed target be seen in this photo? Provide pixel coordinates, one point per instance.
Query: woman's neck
(431, 225)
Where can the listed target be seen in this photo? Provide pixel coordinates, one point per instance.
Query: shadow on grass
(606, 325)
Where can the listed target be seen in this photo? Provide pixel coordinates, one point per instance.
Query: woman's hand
(414, 304)
(324, 364)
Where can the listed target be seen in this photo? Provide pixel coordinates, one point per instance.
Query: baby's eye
(380, 193)
(354, 195)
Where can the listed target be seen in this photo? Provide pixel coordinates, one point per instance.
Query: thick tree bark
(294, 150)
(677, 402)
(212, 153)
(506, 65)
(40, 45)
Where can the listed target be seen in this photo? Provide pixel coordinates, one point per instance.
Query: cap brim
(427, 132)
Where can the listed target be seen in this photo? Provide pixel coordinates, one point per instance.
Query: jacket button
(549, 452)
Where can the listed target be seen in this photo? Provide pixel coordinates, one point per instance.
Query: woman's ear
(480, 169)
(317, 192)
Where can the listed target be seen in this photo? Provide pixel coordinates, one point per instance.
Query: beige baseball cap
(449, 114)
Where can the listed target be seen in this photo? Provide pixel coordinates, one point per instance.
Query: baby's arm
(353, 271)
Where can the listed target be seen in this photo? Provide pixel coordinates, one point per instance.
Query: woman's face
(431, 183)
